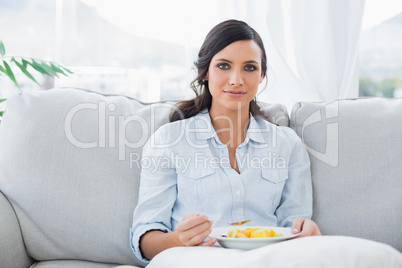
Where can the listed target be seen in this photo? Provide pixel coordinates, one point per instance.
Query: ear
(206, 77)
(261, 78)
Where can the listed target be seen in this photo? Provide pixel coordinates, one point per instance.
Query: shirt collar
(203, 123)
(257, 130)
(205, 130)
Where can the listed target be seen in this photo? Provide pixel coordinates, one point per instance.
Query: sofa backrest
(355, 147)
(70, 166)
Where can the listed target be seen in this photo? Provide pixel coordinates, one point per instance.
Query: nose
(236, 78)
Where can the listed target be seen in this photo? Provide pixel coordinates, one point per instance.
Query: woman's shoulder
(177, 125)
(284, 133)
(173, 130)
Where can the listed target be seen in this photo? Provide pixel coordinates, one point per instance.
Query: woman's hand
(193, 230)
(305, 227)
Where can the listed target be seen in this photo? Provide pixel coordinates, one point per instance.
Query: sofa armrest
(12, 248)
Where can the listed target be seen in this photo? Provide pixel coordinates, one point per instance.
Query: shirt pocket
(197, 188)
(194, 173)
(275, 176)
(274, 181)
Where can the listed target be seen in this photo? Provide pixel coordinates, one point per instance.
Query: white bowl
(250, 243)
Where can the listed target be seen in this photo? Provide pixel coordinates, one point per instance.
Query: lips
(235, 93)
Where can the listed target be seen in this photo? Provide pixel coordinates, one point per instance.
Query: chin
(237, 107)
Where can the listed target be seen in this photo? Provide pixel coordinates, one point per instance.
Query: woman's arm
(157, 193)
(297, 197)
(191, 231)
(154, 229)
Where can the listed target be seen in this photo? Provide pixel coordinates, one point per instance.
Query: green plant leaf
(2, 69)
(2, 49)
(25, 63)
(49, 69)
(57, 69)
(2, 112)
(10, 73)
(37, 66)
(24, 70)
(67, 70)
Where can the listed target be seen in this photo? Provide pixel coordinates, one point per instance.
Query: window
(146, 49)
(380, 50)
(126, 47)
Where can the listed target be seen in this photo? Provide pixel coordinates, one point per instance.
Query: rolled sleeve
(135, 235)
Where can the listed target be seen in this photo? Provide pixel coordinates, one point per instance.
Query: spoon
(234, 223)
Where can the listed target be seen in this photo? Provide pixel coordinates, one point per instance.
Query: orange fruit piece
(270, 233)
(258, 233)
(241, 235)
(248, 231)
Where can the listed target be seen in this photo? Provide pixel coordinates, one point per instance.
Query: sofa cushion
(356, 150)
(72, 263)
(70, 166)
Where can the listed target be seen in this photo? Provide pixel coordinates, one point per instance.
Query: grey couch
(70, 165)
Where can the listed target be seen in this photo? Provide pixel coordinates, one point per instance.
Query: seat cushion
(72, 263)
(355, 149)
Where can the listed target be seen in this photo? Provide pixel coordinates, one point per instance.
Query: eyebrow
(228, 61)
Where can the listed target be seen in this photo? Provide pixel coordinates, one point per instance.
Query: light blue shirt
(186, 169)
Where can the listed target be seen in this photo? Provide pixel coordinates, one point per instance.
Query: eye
(250, 68)
(223, 66)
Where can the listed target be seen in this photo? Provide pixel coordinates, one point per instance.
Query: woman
(217, 159)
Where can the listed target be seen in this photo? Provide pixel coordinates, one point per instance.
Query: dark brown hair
(217, 39)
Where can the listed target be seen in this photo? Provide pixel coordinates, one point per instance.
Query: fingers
(193, 229)
(209, 243)
(189, 215)
(307, 230)
(306, 227)
(297, 225)
(190, 221)
(199, 239)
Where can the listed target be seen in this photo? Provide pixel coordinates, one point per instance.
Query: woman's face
(233, 76)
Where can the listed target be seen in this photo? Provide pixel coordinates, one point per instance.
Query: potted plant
(27, 65)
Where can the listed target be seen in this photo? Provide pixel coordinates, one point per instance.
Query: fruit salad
(252, 233)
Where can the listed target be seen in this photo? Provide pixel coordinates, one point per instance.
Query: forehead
(244, 50)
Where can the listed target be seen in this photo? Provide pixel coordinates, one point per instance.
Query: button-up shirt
(186, 169)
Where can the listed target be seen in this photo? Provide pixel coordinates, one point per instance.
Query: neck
(231, 126)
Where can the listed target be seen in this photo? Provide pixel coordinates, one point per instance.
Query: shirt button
(238, 192)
